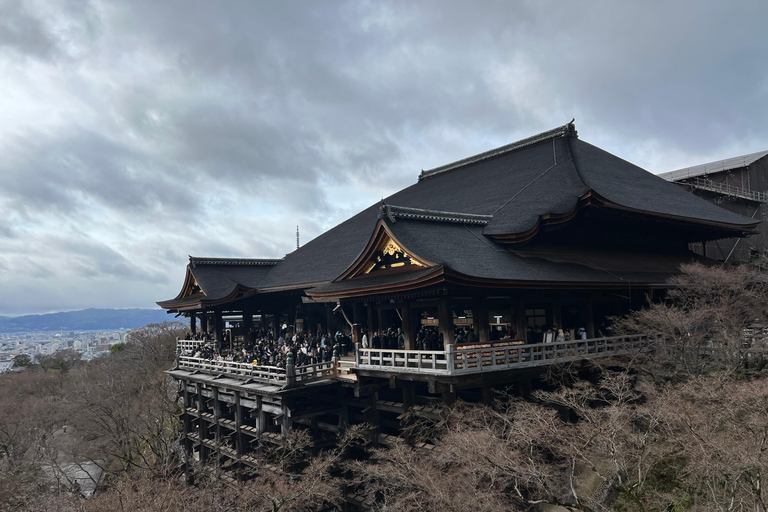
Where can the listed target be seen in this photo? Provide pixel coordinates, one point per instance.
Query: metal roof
(713, 167)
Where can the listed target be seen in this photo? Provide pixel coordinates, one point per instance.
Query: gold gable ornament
(390, 255)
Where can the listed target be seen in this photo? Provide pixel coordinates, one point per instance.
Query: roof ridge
(724, 164)
(393, 212)
(194, 261)
(561, 131)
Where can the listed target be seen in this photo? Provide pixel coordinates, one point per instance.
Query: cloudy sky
(134, 133)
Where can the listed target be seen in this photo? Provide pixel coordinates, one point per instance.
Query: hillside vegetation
(683, 428)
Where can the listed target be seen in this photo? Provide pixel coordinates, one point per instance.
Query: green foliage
(117, 347)
(22, 361)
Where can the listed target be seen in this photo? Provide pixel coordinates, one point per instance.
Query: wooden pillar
(590, 319)
(557, 312)
(445, 321)
(328, 318)
(239, 448)
(202, 427)
(273, 325)
(480, 323)
(343, 410)
(247, 324)
(216, 416)
(380, 320)
(261, 420)
(285, 422)
(408, 329)
(187, 420)
(357, 322)
(218, 329)
(204, 323)
(369, 326)
(409, 395)
(522, 321)
(193, 323)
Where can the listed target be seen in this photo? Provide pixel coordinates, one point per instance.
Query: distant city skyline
(134, 134)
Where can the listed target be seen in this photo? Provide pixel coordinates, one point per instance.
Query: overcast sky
(134, 133)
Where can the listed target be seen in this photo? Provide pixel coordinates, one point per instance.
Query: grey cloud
(213, 129)
(22, 31)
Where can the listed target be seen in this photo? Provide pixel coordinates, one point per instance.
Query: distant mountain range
(85, 320)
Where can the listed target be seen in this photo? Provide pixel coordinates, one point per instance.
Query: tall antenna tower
(297, 237)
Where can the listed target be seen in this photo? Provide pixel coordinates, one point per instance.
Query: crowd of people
(262, 349)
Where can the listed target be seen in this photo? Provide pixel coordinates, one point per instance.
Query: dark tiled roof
(630, 186)
(219, 280)
(560, 131)
(376, 280)
(465, 250)
(446, 215)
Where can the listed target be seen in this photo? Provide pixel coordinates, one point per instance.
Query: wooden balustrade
(190, 346)
(475, 360)
(447, 362)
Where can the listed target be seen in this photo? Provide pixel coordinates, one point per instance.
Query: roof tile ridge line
(576, 166)
(560, 131)
(406, 212)
(194, 261)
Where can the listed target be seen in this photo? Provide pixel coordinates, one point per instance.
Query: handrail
(243, 370)
(731, 190)
(190, 345)
(263, 373)
(476, 360)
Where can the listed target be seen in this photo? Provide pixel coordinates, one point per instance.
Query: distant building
(738, 184)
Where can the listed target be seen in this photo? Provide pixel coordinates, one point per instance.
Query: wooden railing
(476, 360)
(284, 377)
(270, 374)
(403, 360)
(191, 346)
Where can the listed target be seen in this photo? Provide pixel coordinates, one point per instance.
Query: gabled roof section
(210, 281)
(384, 254)
(560, 131)
(727, 164)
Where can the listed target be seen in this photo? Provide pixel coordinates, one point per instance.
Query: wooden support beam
(247, 323)
(261, 420)
(344, 411)
(408, 327)
(218, 329)
(445, 321)
(202, 430)
(193, 323)
(286, 423)
(480, 323)
(216, 416)
(557, 312)
(409, 395)
(369, 325)
(187, 421)
(239, 448)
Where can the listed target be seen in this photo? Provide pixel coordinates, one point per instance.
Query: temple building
(512, 245)
(738, 184)
(548, 231)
